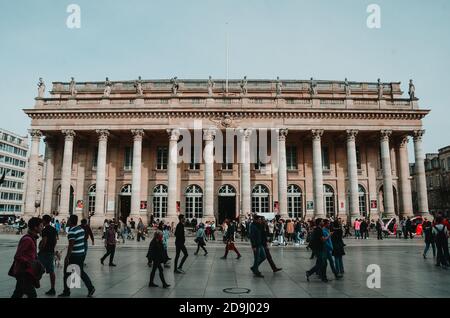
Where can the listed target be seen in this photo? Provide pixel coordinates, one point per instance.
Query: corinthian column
(282, 174)
(49, 175)
(32, 178)
(66, 173)
(138, 135)
(317, 173)
(420, 173)
(353, 174)
(389, 208)
(101, 172)
(174, 135)
(405, 182)
(245, 172)
(208, 136)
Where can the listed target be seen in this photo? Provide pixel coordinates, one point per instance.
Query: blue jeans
(339, 264)
(427, 247)
(259, 257)
(357, 232)
(330, 259)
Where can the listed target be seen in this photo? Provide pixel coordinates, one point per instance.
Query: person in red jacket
(26, 268)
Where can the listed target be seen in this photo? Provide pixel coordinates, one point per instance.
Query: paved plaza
(404, 273)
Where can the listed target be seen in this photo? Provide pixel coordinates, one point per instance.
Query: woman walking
(200, 239)
(338, 247)
(156, 255)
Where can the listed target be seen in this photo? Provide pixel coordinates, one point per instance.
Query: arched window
(260, 199)
(295, 205)
(160, 201)
(194, 202)
(328, 196)
(126, 190)
(362, 200)
(227, 191)
(91, 199)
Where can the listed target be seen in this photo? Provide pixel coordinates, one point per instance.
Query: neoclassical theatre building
(120, 149)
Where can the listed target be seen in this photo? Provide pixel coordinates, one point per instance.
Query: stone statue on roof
(107, 90)
(73, 87)
(175, 85)
(348, 91)
(312, 87)
(244, 86)
(138, 86)
(380, 89)
(41, 88)
(279, 84)
(412, 90)
(210, 86)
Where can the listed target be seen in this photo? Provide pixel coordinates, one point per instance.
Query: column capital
(138, 134)
(403, 141)
(385, 134)
(174, 134)
(418, 135)
(246, 133)
(209, 134)
(69, 134)
(103, 134)
(351, 134)
(317, 134)
(35, 134)
(282, 134)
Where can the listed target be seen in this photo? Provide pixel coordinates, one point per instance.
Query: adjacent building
(13, 162)
(223, 149)
(437, 168)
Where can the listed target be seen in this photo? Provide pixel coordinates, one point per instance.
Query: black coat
(338, 243)
(156, 251)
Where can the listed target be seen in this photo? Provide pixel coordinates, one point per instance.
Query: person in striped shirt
(75, 256)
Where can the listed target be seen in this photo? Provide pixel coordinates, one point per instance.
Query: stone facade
(114, 149)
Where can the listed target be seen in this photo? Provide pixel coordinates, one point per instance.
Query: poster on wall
(373, 204)
(178, 206)
(80, 205)
(342, 206)
(143, 205)
(310, 205)
(276, 207)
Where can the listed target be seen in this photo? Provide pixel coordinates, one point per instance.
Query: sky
(292, 39)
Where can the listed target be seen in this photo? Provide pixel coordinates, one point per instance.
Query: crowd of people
(323, 237)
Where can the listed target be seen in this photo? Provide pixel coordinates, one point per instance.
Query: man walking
(379, 227)
(87, 234)
(257, 241)
(180, 240)
(46, 253)
(318, 246)
(25, 265)
(75, 256)
(429, 239)
(229, 239)
(266, 247)
(440, 234)
(110, 245)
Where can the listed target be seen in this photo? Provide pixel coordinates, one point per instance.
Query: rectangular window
(226, 165)
(291, 157)
(448, 163)
(194, 164)
(358, 158)
(162, 158)
(95, 158)
(128, 164)
(325, 158)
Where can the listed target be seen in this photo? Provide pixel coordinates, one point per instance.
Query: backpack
(440, 236)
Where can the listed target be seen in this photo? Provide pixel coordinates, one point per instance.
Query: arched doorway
(71, 200)
(125, 202)
(227, 203)
(160, 201)
(194, 202)
(260, 199)
(362, 199)
(329, 201)
(295, 203)
(381, 199)
(91, 199)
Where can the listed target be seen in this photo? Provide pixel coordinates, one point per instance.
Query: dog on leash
(58, 256)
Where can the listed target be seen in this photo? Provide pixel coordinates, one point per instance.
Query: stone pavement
(404, 273)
